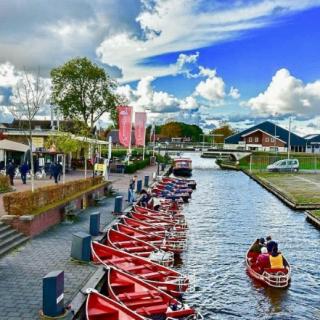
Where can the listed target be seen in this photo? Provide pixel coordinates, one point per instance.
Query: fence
(260, 162)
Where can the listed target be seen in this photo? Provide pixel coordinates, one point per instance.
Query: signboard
(38, 142)
(99, 167)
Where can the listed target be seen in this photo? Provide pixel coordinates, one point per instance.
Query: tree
(171, 130)
(29, 94)
(222, 132)
(82, 90)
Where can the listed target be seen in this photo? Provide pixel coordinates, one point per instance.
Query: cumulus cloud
(234, 93)
(212, 89)
(186, 64)
(287, 94)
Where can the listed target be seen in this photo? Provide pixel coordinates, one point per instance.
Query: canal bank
(228, 211)
(22, 270)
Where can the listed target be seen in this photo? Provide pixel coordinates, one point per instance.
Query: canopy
(13, 146)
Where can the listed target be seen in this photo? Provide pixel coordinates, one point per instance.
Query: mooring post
(118, 204)
(81, 246)
(139, 186)
(95, 223)
(53, 294)
(146, 181)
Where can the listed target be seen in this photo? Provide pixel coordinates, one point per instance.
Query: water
(227, 212)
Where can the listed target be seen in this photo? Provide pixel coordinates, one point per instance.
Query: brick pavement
(21, 271)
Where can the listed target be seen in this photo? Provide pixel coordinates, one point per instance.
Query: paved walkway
(21, 271)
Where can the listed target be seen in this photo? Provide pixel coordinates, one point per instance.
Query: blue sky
(199, 61)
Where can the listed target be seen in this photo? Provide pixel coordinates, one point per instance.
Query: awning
(13, 146)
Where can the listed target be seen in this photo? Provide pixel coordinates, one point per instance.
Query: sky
(197, 61)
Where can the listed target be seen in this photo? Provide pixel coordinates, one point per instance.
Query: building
(266, 136)
(312, 143)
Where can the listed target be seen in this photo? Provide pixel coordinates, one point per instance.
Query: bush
(137, 165)
(4, 184)
(28, 202)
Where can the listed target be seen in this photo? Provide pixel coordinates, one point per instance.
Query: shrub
(4, 184)
(27, 202)
(137, 165)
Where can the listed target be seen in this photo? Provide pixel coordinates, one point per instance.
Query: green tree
(171, 130)
(83, 91)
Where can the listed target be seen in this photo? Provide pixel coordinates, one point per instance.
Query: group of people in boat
(269, 257)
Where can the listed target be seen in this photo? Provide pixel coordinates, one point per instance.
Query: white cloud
(186, 63)
(212, 89)
(189, 103)
(287, 95)
(234, 93)
(181, 25)
(9, 76)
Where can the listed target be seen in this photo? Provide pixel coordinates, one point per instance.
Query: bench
(71, 210)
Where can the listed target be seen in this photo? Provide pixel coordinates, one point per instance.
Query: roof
(13, 146)
(272, 129)
(253, 131)
(312, 138)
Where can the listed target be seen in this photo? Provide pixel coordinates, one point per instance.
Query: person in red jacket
(262, 261)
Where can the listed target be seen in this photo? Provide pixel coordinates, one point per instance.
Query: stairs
(10, 238)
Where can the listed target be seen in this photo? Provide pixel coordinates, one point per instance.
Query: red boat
(191, 183)
(138, 247)
(100, 307)
(168, 244)
(165, 222)
(164, 231)
(160, 276)
(145, 299)
(164, 212)
(182, 167)
(276, 278)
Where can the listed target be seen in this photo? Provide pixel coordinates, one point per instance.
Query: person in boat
(262, 261)
(271, 244)
(258, 244)
(276, 259)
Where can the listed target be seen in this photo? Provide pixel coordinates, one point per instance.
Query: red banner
(140, 128)
(124, 113)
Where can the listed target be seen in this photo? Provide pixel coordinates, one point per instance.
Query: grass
(301, 189)
(316, 213)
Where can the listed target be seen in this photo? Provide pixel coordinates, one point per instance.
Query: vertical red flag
(124, 113)
(140, 128)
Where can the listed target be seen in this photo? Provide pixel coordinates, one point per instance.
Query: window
(256, 139)
(272, 139)
(267, 139)
(250, 139)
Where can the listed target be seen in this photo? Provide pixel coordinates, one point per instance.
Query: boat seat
(135, 268)
(144, 303)
(152, 310)
(180, 313)
(275, 270)
(151, 275)
(120, 260)
(138, 295)
(97, 314)
(138, 249)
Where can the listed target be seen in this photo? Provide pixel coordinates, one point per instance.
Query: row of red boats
(138, 253)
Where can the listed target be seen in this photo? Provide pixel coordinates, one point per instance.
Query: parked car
(286, 165)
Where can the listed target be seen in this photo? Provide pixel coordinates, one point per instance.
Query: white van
(286, 165)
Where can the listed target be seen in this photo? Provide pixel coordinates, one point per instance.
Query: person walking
(24, 168)
(11, 171)
(56, 171)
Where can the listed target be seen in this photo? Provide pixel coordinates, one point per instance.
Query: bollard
(81, 246)
(146, 181)
(52, 294)
(118, 205)
(95, 223)
(139, 186)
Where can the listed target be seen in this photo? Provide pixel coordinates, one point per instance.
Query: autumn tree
(223, 131)
(83, 91)
(171, 130)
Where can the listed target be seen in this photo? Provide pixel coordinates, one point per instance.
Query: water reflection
(227, 212)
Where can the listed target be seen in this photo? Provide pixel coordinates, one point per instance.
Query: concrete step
(4, 227)
(6, 233)
(18, 242)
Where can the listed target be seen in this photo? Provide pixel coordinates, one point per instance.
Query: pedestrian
(56, 171)
(11, 171)
(51, 169)
(24, 168)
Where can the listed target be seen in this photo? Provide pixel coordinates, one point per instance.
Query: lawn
(301, 188)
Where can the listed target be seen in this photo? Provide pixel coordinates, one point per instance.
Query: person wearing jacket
(276, 259)
(11, 171)
(24, 168)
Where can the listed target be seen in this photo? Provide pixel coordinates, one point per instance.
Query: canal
(227, 212)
